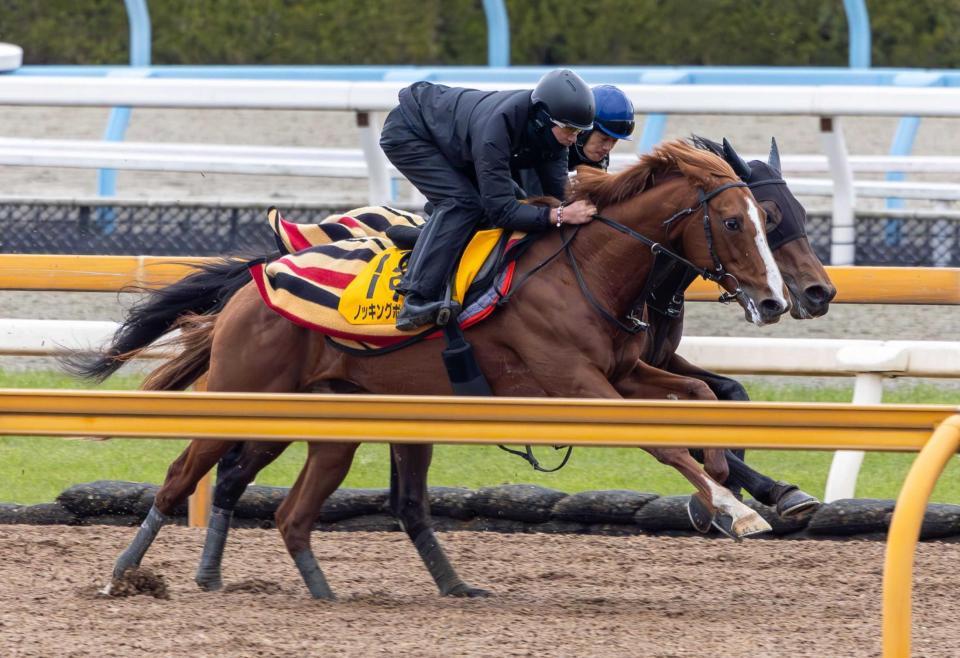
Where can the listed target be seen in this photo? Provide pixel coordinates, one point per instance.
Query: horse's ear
(774, 158)
(741, 168)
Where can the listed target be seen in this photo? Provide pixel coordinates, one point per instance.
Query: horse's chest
(624, 359)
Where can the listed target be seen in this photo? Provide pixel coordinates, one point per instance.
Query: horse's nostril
(771, 307)
(818, 294)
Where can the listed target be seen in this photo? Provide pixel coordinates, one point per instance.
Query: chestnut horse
(810, 290)
(553, 339)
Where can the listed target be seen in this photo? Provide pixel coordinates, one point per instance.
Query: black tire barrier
(523, 508)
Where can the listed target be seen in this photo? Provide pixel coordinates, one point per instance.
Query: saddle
(345, 288)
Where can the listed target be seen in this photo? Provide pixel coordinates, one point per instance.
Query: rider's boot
(417, 312)
(431, 262)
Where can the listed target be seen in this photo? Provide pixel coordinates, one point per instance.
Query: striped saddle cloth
(339, 277)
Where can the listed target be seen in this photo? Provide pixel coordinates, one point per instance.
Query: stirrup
(450, 307)
(447, 312)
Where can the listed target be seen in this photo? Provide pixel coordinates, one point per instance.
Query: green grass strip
(36, 469)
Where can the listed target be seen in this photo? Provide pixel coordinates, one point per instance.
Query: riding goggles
(568, 128)
(616, 128)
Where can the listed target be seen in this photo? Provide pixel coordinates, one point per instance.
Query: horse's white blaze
(774, 279)
(753, 310)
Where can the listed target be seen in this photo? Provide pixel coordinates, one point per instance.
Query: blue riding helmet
(614, 112)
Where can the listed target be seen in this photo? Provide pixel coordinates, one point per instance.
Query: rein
(716, 275)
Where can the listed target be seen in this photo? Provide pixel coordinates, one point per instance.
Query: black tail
(203, 292)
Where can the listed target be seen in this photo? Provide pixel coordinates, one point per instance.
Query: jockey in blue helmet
(614, 120)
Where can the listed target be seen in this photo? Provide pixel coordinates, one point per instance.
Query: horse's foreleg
(327, 465)
(712, 503)
(235, 471)
(647, 382)
(713, 499)
(182, 478)
(409, 464)
(788, 499)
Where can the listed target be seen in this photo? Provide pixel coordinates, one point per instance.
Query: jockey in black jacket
(464, 150)
(613, 121)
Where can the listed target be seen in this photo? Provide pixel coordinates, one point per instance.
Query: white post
(871, 363)
(842, 234)
(379, 191)
(842, 480)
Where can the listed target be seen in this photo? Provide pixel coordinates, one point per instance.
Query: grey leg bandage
(437, 563)
(138, 547)
(312, 575)
(208, 573)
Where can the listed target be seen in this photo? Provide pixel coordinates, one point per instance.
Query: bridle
(789, 228)
(717, 274)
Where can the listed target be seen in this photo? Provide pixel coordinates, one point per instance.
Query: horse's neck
(616, 266)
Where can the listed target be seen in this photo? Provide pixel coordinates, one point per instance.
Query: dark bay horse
(811, 292)
(551, 340)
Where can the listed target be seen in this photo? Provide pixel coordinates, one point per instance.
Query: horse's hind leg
(235, 471)
(182, 478)
(327, 465)
(408, 501)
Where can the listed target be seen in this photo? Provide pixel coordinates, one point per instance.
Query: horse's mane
(541, 201)
(701, 166)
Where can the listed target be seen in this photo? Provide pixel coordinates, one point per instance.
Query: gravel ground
(556, 595)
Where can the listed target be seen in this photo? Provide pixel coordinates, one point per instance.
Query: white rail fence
(352, 163)
(368, 99)
(870, 361)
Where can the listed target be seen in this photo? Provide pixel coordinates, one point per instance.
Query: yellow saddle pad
(372, 297)
(347, 289)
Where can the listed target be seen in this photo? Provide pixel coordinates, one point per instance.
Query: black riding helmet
(565, 98)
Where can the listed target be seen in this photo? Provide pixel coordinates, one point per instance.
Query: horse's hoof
(465, 591)
(724, 523)
(750, 524)
(795, 503)
(209, 585)
(700, 515)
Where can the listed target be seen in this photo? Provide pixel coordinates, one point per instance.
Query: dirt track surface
(556, 595)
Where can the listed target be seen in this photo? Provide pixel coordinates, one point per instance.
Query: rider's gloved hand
(578, 212)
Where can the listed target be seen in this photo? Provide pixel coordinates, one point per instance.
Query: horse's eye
(732, 224)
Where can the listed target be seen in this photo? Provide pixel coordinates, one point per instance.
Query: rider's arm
(491, 153)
